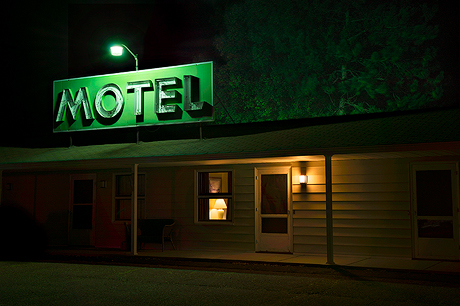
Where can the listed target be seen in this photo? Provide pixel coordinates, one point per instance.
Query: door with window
(82, 210)
(435, 210)
(124, 186)
(273, 210)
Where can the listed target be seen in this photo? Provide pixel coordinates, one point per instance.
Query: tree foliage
(295, 58)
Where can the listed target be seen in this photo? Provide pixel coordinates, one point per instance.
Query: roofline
(407, 150)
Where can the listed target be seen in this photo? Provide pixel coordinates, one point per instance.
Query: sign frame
(160, 96)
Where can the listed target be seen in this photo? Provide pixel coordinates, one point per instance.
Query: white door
(273, 209)
(82, 210)
(435, 210)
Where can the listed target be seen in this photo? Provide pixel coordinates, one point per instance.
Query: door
(82, 210)
(435, 210)
(273, 210)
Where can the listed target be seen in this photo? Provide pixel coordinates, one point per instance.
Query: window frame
(229, 195)
(115, 197)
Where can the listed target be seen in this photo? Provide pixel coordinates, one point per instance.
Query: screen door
(435, 211)
(82, 210)
(273, 206)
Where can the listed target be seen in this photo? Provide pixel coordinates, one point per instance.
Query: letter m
(67, 100)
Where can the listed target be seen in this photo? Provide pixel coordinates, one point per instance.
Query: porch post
(329, 229)
(134, 212)
(1, 184)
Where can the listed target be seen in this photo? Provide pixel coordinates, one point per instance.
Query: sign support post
(134, 211)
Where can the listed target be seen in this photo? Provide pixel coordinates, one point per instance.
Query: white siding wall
(371, 208)
(371, 203)
(171, 195)
(309, 210)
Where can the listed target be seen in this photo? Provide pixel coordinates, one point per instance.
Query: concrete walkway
(391, 263)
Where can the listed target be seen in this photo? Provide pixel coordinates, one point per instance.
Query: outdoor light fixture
(300, 178)
(220, 205)
(303, 179)
(117, 50)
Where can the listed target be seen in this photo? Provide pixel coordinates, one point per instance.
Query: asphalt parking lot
(100, 282)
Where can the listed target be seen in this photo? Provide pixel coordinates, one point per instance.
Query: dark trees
(295, 58)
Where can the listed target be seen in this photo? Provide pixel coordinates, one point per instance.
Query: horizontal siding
(371, 208)
(377, 214)
(353, 196)
(372, 167)
(309, 210)
(369, 178)
(372, 232)
(308, 197)
(310, 231)
(372, 205)
(304, 214)
(171, 194)
(372, 223)
(299, 223)
(304, 205)
(244, 201)
(370, 187)
(370, 196)
(310, 188)
(310, 239)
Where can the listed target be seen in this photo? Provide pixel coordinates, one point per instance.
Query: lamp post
(118, 50)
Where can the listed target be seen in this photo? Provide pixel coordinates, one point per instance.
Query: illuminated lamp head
(116, 50)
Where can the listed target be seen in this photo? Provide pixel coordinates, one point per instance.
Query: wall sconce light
(303, 179)
(103, 184)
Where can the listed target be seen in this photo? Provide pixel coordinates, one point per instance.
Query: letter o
(118, 101)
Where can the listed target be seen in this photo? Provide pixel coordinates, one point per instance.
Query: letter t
(138, 97)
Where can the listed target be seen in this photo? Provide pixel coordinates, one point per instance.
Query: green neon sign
(170, 95)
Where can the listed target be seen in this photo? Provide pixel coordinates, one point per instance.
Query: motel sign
(171, 95)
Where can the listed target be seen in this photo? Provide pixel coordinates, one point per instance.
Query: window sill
(216, 222)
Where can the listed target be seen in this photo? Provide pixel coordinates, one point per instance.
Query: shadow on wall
(21, 238)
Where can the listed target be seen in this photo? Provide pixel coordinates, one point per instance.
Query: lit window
(123, 191)
(214, 196)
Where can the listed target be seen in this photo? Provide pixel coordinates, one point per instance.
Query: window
(123, 191)
(214, 196)
(82, 204)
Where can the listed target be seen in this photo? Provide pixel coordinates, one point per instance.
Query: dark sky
(55, 40)
(47, 41)
(163, 34)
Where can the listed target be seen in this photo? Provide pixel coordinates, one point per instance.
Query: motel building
(378, 185)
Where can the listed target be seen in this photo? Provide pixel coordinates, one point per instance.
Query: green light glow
(170, 95)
